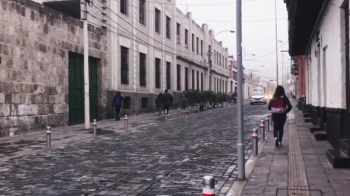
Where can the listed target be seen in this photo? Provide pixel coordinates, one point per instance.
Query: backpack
(278, 105)
(117, 101)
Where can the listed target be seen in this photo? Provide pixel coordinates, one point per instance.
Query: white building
(322, 47)
(154, 46)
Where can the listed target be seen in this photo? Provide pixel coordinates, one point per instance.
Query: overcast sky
(258, 30)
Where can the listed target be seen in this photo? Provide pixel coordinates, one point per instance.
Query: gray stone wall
(34, 46)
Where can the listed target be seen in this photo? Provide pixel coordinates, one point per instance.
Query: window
(209, 50)
(178, 30)
(142, 69)
(186, 38)
(214, 56)
(124, 7)
(157, 20)
(202, 77)
(197, 80)
(217, 57)
(142, 12)
(124, 66)
(192, 42)
(127, 103)
(214, 84)
(168, 23)
(157, 70)
(226, 63)
(168, 75)
(197, 45)
(186, 79)
(201, 47)
(144, 102)
(193, 80)
(178, 79)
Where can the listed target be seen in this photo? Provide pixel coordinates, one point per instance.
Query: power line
(266, 54)
(140, 40)
(272, 19)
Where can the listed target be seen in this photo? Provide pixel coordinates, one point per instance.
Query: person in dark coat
(234, 97)
(279, 106)
(159, 103)
(117, 103)
(167, 101)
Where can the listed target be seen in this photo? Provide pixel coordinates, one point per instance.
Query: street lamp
(247, 54)
(210, 53)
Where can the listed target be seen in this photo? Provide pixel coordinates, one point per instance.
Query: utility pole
(86, 66)
(276, 42)
(240, 143)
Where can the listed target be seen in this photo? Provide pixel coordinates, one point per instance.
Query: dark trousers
(166, 108)
(278, 125)
(117, 112)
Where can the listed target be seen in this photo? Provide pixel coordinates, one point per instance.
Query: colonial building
(319, 38)
(41, 68)
(154, 46)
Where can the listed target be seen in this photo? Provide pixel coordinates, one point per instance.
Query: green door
(76, 89)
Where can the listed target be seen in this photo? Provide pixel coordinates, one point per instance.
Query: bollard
(208, 186)
(267, 123)
(198, 108)
(262, 130)
(255, 143)
(95, 127)
(48, 137)
(126, 122)
(179, 112)
(166, 117)
(190, 110)
(206, 107)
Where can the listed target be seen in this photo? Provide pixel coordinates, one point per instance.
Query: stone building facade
(174, 49)
(151, 47)
(41, 69)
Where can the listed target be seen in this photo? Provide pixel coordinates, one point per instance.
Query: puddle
(101, 132)
(9, 149)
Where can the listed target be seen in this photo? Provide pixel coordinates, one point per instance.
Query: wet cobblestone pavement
(161, 159)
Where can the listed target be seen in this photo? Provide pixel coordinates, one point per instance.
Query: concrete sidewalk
(34, 142)
(300, 167)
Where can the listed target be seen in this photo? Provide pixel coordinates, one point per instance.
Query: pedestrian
(234, 97)
(279, 106)
(159, 103)
(184, 100)
(167, 101)
(117, 104)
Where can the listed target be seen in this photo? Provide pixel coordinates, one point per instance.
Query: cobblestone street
(160, 159)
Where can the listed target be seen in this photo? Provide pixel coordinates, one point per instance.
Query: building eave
(303, 16)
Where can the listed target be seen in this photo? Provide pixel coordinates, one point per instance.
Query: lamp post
(282, 63)
(240, 138)
(276, 42)
(210, 53)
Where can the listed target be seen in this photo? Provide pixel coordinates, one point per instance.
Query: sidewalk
(300, 167)
(34, 142)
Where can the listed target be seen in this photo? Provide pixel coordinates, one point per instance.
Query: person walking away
(234, 97)
(279, 106)
(183, 100)
(159, 103)
(167, 101)
(117, 104)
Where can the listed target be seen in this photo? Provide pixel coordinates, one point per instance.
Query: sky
(258, 28)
